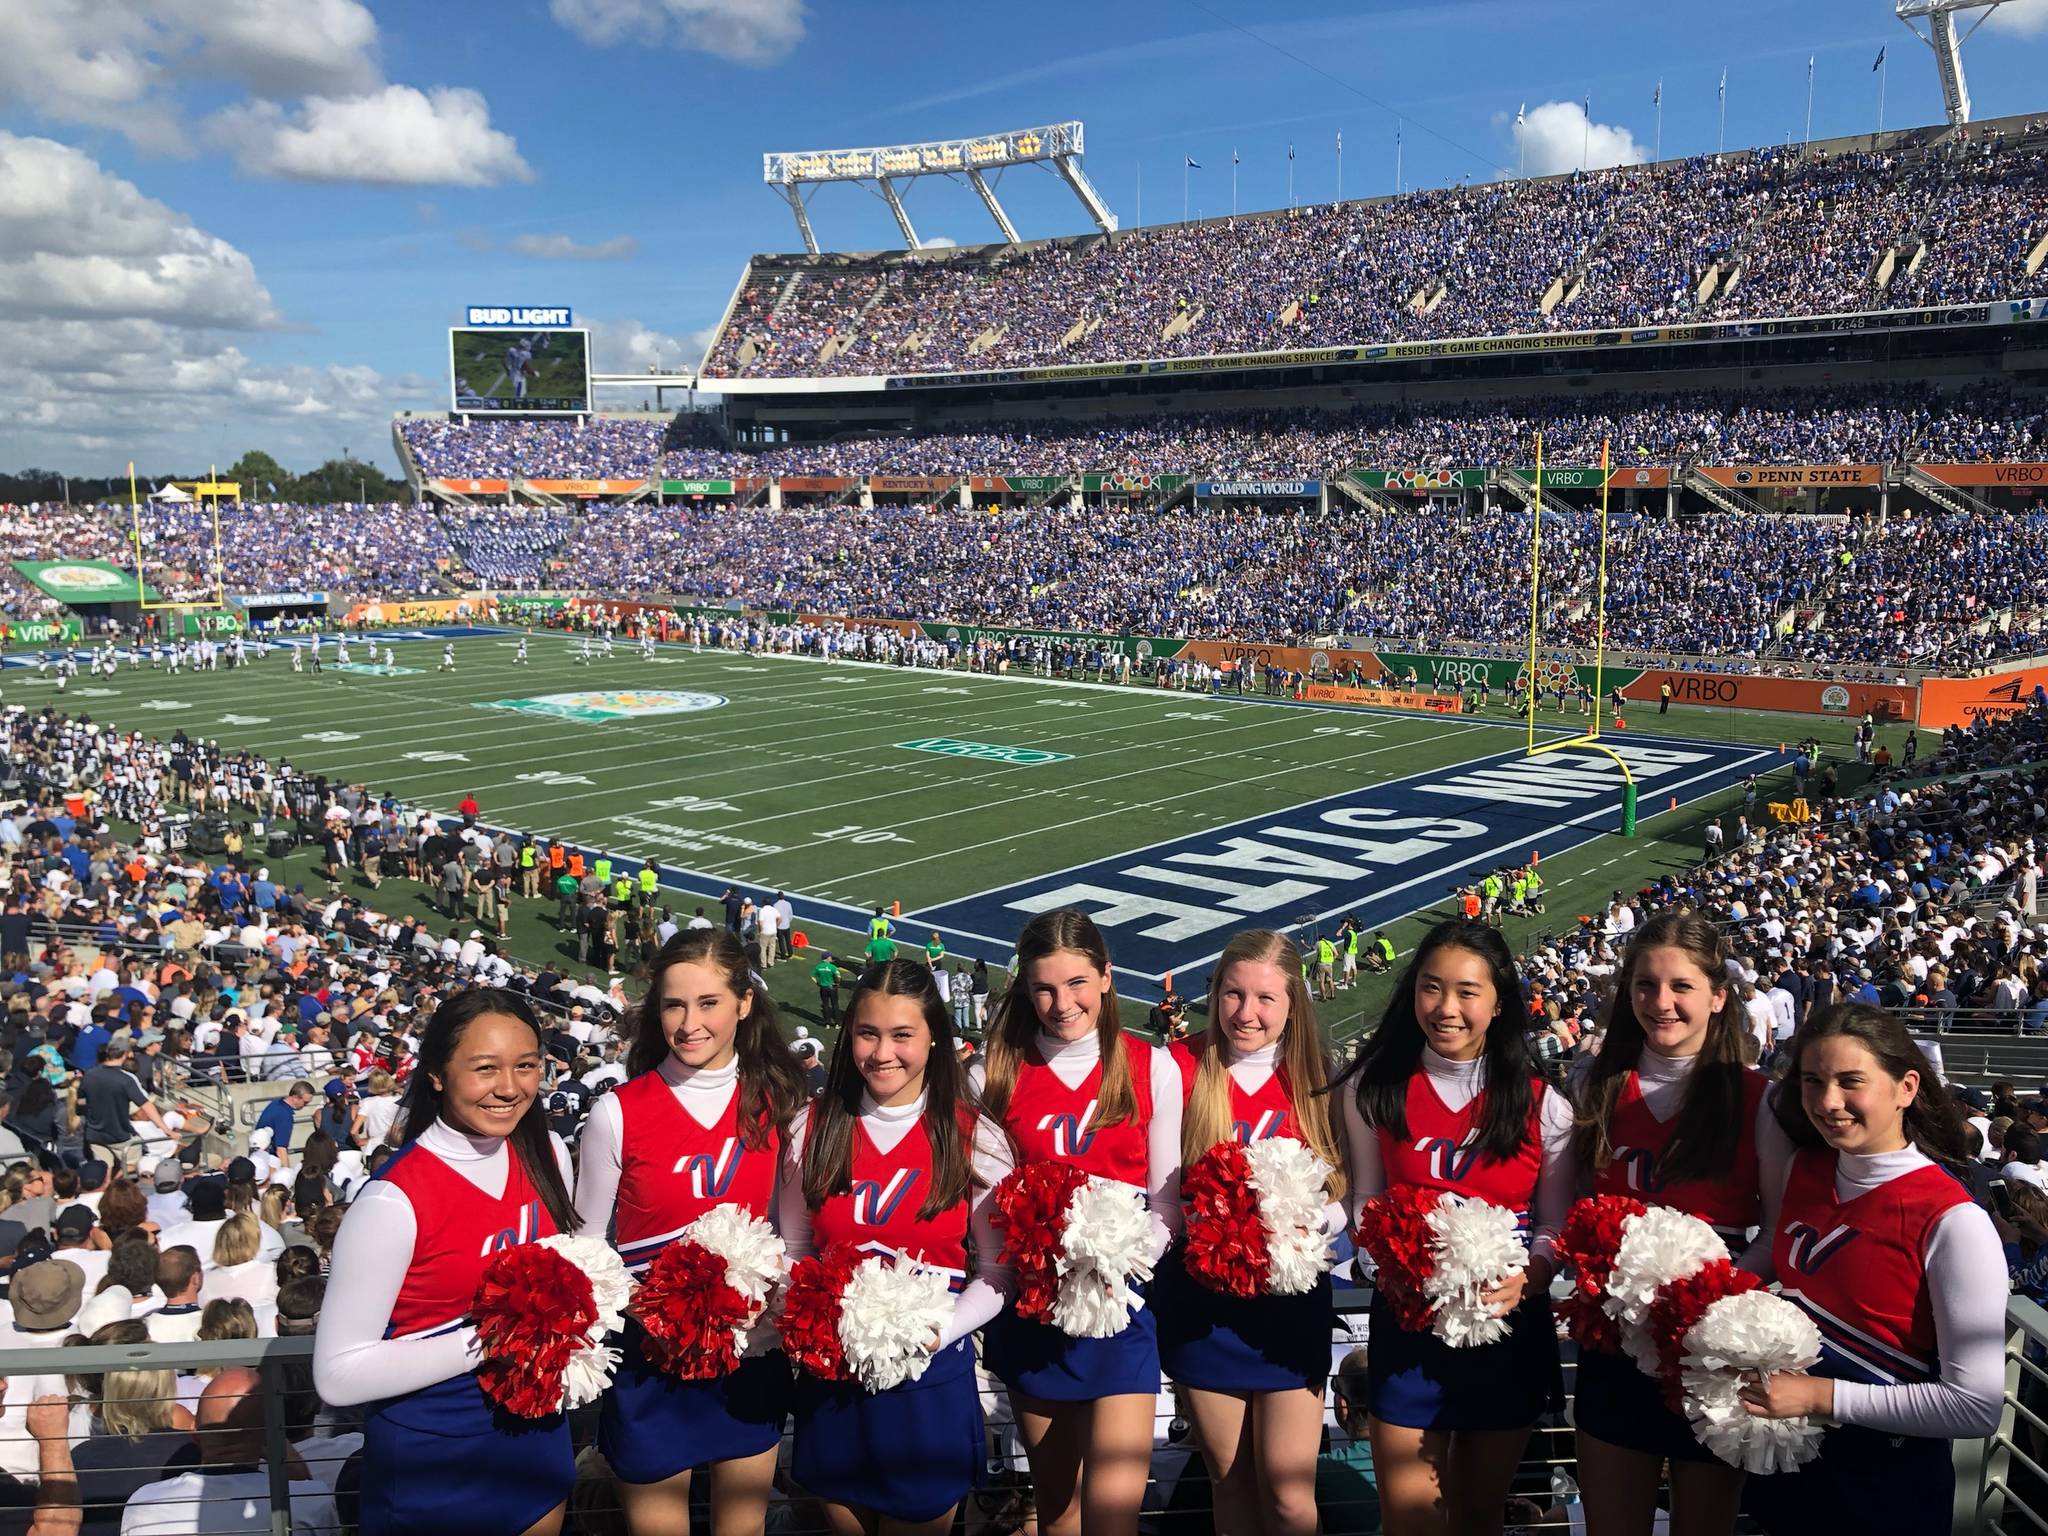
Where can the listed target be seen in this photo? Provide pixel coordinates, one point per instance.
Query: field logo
(369, 669)
(985, 751)
(84, 578)
(595, 706)
(1835, 698)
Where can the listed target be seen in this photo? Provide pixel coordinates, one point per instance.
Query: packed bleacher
(1941, 590)
(505, 549)
(387, 549)
(1845, 425)
(1764, 233)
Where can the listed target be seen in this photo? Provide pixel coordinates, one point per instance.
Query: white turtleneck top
(1966, 1285)
(993, 1284)
(705, 1095)
(352, 1360)
(1458, 1083)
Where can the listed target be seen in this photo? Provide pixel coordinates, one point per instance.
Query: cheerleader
(479, 1175)
(1669, 1114)
(1253, 1368)
(893, 1159)
(700, 1122)
(1444, 1094)
(1064, 1082)
(1878, 1240)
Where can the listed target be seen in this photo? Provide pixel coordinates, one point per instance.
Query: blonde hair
(238, 1241)
(225, 1317)
(274, 1205)
(130, 1403)
(1302, 1061)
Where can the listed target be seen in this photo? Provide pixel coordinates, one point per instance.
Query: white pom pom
(1293, 1185)
(1105, 1246)
(756, 1259)
(1477, 1248)
(587, 1374)
(888, 1317)
(590, 1368)
(1755, 1331)
(1657, 1247)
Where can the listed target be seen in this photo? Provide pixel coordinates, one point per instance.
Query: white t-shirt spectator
(2025, 1173)
(212, 1502)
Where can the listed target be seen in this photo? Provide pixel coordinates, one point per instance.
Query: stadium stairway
(1366, 497)
(1948, 497)
(1724, 497)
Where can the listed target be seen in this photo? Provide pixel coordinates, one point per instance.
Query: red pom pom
(1031, 1213)
(810, 1310)
(533, 1308)
(1226, 1240)
(1394, 1229)
(1592, 1235)
(1683, 1303)
(689, 1313)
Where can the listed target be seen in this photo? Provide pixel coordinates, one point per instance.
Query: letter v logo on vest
(1809, 1249)
(874, 1204)
(711, 1176)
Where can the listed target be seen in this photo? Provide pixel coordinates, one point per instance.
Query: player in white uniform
(390, 658)
(447, 658)
(519, 655)
(518, 358)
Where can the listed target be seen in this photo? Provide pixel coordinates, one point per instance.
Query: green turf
(798, 782)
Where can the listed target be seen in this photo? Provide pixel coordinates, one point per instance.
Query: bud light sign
(494, 315)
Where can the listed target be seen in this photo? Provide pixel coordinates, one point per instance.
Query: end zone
(1381, 851)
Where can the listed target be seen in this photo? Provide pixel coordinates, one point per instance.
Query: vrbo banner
(1457, 673)
(209, 622)
(40, 631)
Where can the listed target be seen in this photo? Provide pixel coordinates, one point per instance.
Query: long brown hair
(772, 1087)
(529, 1139)
(828, 1145)
(1933, 1123)
(1708, 1132)
(1303, 1061)
(1010, 1033)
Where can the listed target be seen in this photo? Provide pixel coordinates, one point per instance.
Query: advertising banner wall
(475, 487)
(1787, 695)
(1946, 701)
(84, 581)
(1385, 698)
(587, 487)
(2017, 475)
(1793, 476)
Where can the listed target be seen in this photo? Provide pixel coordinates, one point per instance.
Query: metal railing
(2001, 1479)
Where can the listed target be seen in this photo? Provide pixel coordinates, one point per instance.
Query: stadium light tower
(1058, 145)
(1940, 36)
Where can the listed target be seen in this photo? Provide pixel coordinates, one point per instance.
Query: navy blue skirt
(910, 1453)
(1417, 1381)
(651, 1426)
(447, 1461)
(1219, 1343)
(1038, 1360)
(1613, 1400)
(1863, 1480)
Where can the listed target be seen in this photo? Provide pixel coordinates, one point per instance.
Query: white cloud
(628, 346)
(396, 136)
(115, 321)
(116, 63)
(938, 242)
(559, 247)
(77, 241)
(2022, 18)
(1556, 137)
(745, 31)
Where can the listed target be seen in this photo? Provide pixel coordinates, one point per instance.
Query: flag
(1340, 141)
(1809, 69)
(1233, 158)
(1880, 60)
(1290, 151)
(1657, 96)
(1524, 107)
(273, 486)
(1724, 85)
(1193, 163)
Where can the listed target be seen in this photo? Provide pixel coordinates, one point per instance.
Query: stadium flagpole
(1535, 595)
(1807, 143)
(1880, 96)
(1721, 143)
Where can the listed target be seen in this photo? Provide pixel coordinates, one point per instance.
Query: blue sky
(228, 224)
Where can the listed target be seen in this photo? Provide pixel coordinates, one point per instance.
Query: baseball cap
(169, 1174)
(240, 1170)
(46, 1294)
(337, 1088)
(74, 1223)
(92, 1174)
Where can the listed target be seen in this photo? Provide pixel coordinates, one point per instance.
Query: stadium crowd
(1939, 590)
(1769, 232)
(1843, 425)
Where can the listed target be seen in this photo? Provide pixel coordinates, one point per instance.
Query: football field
(971, 801)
